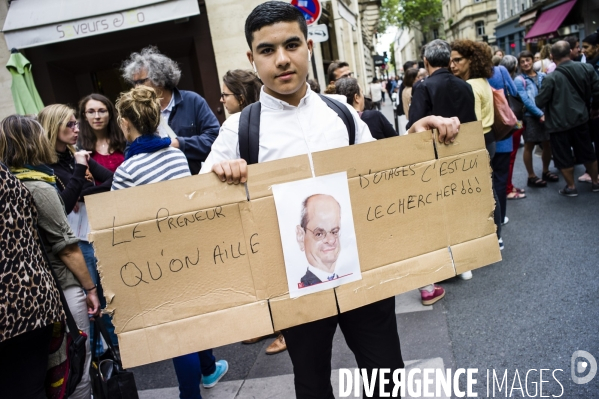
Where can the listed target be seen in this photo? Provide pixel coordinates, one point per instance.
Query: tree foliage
(422, 15)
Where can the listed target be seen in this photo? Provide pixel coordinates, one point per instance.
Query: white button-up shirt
(287, 131)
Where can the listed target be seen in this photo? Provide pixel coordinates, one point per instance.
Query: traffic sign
(310, 8)
(318, 33)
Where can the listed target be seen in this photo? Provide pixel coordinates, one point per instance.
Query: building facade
(407, 46)
(534, 23)
(77, 47)
(470, 19)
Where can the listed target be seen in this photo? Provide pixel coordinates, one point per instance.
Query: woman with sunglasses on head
(75, 171)
(240, 89)
(76, 174)
(99, 132)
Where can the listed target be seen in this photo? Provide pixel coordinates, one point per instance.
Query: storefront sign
(106, 23)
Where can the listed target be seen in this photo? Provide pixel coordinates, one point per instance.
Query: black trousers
(23, 363)
(370, 333)
(501, 169)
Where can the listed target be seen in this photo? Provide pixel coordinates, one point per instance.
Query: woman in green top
(25, 149)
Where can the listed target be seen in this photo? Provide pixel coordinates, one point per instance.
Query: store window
(480, 28)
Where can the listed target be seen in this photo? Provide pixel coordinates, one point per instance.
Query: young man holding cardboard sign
(296, 121)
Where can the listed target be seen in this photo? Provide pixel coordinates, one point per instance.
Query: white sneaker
(466, 275)
(501, 246)
(505, 221)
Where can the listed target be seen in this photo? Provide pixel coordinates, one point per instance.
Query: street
(533, 310)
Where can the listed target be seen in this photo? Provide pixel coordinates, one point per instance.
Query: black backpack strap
(574, 85)
(344, 114)
(249, 133)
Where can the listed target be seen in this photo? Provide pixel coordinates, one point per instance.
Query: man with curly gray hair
(186, 112)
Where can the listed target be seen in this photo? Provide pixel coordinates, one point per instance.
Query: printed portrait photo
(317, 233)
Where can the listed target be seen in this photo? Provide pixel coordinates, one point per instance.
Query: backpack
(249, 127)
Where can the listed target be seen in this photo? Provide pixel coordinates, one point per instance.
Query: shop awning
(31, 23)
(527, 18)
(550, 21)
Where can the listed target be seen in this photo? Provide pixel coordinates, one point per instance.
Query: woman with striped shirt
(151, 159)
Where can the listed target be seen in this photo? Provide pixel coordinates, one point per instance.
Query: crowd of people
(155, 132)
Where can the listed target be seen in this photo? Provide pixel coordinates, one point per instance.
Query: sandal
(585, 178)
(536, 182)
(515, 195)
(518, 190)
(550, 177)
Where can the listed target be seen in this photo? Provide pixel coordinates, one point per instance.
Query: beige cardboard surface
(387, 281)
(476, 253)
(178, 258)
(262, 176)
(470, 138)
(266, 254)
(389, 154)
(194, 334)
(141, 203)
(170, 273)
(286, 311)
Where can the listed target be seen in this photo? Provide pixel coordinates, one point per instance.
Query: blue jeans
(90, 260)
(189, 369)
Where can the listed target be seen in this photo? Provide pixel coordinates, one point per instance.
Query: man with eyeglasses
(191, 124)
(338, 70)
(318, 237)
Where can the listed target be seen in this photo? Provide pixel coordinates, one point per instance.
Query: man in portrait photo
(318, 237)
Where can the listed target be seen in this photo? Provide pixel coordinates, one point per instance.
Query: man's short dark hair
(333, 66)
(438, 53)
(560, 50)
(525, 54)
(572, 40)
(270, 13)
(409, 64)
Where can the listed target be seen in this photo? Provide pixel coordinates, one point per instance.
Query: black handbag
(109, 379)
(516, 104)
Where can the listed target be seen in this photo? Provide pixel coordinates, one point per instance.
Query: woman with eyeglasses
(99, 132)
(76, 174)
(472, 62)
(75, 171)
(240, 89)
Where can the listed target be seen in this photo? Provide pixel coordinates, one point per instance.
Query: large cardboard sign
(192, 264)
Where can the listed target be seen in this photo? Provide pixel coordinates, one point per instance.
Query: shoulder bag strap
(73, 329)
(572, 83)
(249, 133)
(344, 114)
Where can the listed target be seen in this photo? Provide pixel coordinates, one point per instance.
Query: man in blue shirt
(186, 112)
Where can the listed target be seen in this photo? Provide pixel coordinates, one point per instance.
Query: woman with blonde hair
(139, 117)
(25, 150)
(75, 175)
(75, 172)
